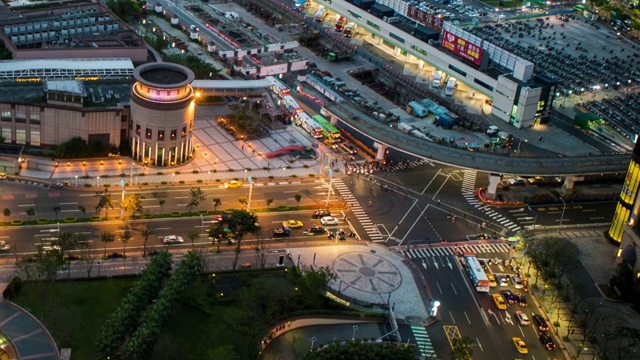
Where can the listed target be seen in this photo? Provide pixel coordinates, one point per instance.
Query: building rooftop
(66, 86)
(98, 94)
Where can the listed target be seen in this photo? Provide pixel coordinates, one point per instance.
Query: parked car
(502, 280)
(318, 214)
(517, 181)
(547, 341)
(522, 318)
(224, 217)
(173, 239)
(328, 220)
(540, 323)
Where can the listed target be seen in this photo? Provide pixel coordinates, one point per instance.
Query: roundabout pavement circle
(367, 272)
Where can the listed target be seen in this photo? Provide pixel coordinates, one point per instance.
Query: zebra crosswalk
(449, 250)
(424, 343)
(468, 187)
(369, 227)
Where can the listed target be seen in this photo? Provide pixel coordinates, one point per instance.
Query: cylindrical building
(162, 114)
(628, 208)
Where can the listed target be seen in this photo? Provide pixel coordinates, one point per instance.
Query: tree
(125, 9)
(6, 213)
(30, 211)
(88, 255)
(82, 209)
(298, 197)
(196, 196)
(216, 202)
(126, 236)
(242, 222)
(161, 203)
(193, 235)
(269, 201)
(145, 232)
(243, 201)
(361, 350)
(107, 237)
(461, 348)
(313, 284)
(56, 210)
(132, 204)
(104, 202)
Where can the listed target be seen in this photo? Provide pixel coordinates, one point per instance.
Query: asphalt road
(18, 197)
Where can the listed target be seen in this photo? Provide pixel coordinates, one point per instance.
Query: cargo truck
(349, 30)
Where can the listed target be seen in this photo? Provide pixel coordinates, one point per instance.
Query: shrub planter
(17, 222)
(42, 221)
(176, 213)
(70, 219)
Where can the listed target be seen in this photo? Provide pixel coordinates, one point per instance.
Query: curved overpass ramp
(362, 123)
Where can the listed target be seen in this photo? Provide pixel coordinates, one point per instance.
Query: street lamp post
(76, 180)
(245, 174)
(519, 144)
(564, 207)
(535, 219)
(313, 341)
(330, 186)
(131, 174)
(250, 192)
(355, 328)
(283, 172)
(98, 181)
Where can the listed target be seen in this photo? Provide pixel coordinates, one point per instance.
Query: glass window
(5, 114)
(138, 129)
(148, 133)
(6, 134)
(21, 136)
(184, 131)
(35, 137)
(160, 135)
(174, 134)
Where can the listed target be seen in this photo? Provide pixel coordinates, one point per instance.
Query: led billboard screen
(462, 47)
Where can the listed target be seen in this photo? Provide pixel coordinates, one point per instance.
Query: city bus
(320, 14)
(340, 23)
(476, 273)
(309, 125)
(328, 131)
(290, 106)
(277, 87)
(349, 29)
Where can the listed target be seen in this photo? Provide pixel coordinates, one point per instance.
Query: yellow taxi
(292, 224)
(492, 280)
(520, 345)
(232, 184)
(499, 301)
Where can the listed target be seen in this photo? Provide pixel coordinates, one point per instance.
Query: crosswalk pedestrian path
(468, 187)
(424, 343)
(369, 227)
(478, 249)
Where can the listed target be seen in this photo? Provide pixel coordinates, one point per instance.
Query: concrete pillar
(569, 181)
(421, 64)
(382, 149)
(494, 180)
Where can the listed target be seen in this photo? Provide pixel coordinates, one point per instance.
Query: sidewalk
(580, 301)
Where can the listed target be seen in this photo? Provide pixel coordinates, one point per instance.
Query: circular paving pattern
(367, 272)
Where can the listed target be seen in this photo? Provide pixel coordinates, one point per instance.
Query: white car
(328, 220)
(517, 283)
(173, 239)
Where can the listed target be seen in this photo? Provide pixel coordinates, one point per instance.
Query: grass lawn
(74, 311)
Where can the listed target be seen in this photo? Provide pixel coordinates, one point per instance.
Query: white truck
(320, 14)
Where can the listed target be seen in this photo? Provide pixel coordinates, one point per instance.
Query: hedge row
(125, 319)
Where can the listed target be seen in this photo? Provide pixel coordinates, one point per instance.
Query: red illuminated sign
(424, 17)
(463, 48)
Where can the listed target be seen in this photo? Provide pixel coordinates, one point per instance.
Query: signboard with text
(462, 47)
(424, 17)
